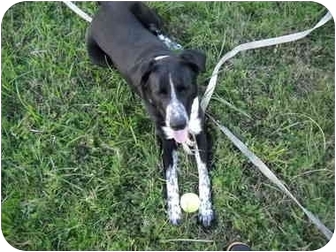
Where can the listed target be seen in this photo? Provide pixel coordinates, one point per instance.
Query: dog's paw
(175, 215)
(175, 221)
(206, 214)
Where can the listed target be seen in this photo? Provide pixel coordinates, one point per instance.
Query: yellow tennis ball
(190, 202)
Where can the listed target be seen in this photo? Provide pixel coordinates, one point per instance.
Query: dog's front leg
(206, 214)
(170, 162)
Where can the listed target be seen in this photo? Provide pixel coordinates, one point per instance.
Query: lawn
(80, 165)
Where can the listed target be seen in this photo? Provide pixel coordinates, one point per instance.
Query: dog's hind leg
(146, 16)
(170, 163)
(96, 54)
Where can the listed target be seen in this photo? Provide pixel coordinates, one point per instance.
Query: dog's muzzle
(178, 126)
(177, 121)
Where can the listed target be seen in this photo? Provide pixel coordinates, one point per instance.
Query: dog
(123, 35)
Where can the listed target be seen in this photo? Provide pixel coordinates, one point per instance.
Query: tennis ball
(190, 202)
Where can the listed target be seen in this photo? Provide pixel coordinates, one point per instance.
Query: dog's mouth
(184, 136)
(180, 136)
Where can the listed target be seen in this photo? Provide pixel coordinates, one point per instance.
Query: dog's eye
(162, 91)
(181, 88)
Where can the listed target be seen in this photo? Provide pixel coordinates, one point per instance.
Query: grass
(80, 167)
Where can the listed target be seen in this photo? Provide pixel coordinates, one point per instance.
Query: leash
(211, 87)
(78, 11)
(166, 40)
(271, 176)
(239, 144)
(254, 45)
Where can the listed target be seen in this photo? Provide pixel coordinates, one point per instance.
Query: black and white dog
(122, 34)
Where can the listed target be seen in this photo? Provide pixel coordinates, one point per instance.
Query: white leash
(211, 87)
(254, 45)
(78, 11)
(239, 144)
(271, 176)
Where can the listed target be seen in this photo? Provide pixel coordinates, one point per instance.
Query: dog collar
(172, 45)
(161, 57)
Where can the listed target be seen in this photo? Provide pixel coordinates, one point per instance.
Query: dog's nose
(178, 123)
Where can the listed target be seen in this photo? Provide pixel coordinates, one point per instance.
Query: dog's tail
(78, 11)
(101, 2)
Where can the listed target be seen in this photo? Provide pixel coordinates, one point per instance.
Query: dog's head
(169, 85)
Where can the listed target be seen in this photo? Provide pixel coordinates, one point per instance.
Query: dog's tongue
(180, 136)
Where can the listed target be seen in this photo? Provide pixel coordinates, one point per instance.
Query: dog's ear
(195, 59)
(140, 74)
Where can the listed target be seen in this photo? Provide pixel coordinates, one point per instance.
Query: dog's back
(117, 32)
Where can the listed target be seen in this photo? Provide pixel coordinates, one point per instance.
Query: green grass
(80, 163)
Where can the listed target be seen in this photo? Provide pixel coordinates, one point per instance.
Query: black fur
(122, 34)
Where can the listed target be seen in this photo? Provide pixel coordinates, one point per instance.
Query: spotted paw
(175, 220)
(206, 215)
(175, 215)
